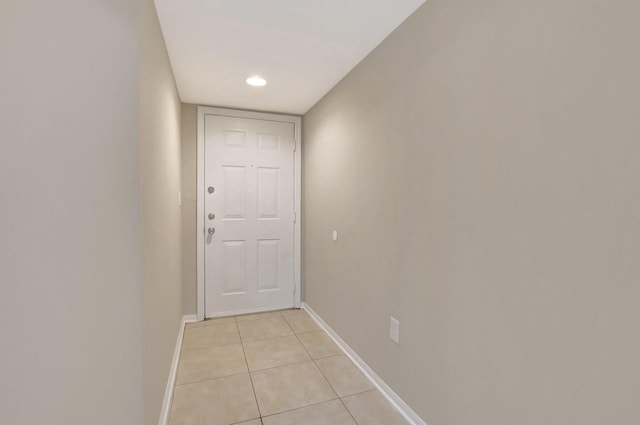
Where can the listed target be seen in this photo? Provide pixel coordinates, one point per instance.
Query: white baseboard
(393, 398)
(168, 392)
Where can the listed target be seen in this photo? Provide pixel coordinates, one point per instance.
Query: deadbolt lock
(211, 216)
(211, 189)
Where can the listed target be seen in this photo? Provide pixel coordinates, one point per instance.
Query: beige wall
(481, 166)
(160, 213)
(70, 327)
(188, 149)
(90, 293)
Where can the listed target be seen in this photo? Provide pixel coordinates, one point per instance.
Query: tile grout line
(272, 367)
(301, 407)
(250, 420)
(345, 406)
(253, 388)
(211, 379)
(326, 379)
(328, 357)
(317, 328)
(264, 317)
(250, 372)
(289, 326)
(318, 367)
(257, 370)
(306, 361)
(315, 361)
(276, 367)
(348, 411)
(359, 392)
(271, 337)
(242, 344)
(265, 339)
(210, 347)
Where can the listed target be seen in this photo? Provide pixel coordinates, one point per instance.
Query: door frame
(200, 210)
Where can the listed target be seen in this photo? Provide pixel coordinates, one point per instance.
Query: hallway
(275, 368)
(468, 212)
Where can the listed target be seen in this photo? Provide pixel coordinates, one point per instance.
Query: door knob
(211, 230)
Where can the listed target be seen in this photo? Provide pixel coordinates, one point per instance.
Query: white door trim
(200, 222)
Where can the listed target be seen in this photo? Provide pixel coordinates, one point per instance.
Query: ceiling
(301, 47)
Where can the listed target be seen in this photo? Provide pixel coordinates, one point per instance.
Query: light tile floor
(275, 368)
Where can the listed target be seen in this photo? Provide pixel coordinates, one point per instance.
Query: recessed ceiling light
(256, 81)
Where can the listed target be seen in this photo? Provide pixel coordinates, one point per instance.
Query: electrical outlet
(394, 329)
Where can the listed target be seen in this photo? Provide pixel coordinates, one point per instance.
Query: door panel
(268, 264)
(235, 187)
(268, 193)
(234, 267)
(249, 258)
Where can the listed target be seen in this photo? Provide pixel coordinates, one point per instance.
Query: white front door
(249, 217)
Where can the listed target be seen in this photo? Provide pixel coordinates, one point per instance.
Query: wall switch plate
(394, 330)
